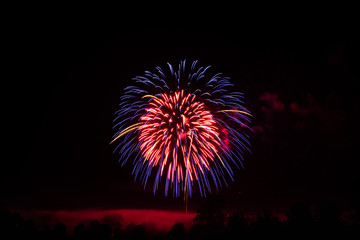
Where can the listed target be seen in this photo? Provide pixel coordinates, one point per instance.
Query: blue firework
(182, 126)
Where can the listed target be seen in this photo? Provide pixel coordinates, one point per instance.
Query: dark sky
(68, 71)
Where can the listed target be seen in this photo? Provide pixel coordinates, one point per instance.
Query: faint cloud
(306, 113)
(258, 129)
(296, 109)
(273, 102)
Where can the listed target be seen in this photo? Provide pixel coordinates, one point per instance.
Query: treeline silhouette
(211, 222)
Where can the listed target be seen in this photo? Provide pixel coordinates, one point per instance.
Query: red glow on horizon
(159, 219)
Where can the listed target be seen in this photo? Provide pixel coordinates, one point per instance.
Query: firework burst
(184, 126)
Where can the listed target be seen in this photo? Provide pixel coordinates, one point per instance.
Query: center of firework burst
(179, 134)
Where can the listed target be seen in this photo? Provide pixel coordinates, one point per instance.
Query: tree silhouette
(45, 233)
(177, 232)
(138, 233)
(238, 225)
(267, 226)
(300, 221)
(328, 220)
(59, 232)
(210, 221)
(98, 231)
(79, 232)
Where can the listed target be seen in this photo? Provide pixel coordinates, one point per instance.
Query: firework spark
(186, 127)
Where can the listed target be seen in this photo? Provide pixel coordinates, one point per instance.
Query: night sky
(67, 73)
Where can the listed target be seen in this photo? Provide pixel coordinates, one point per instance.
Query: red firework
(178, 127)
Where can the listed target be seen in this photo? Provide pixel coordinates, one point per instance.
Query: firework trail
(186, 127)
